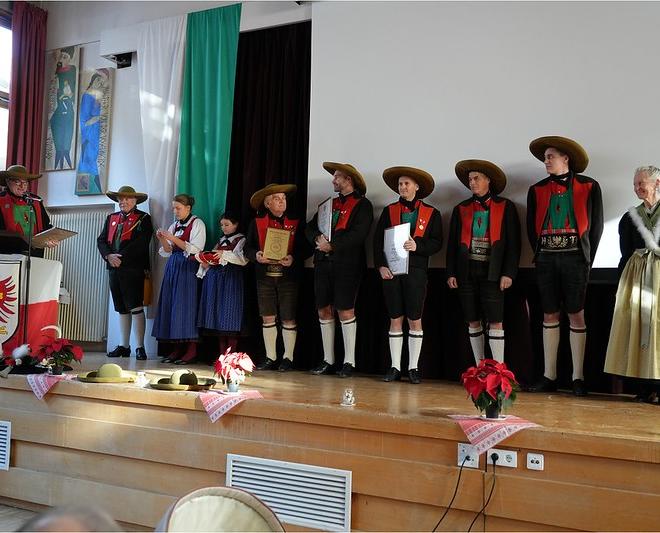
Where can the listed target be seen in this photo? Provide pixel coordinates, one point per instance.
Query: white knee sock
(477, 342)
(551, 334)
(125, 329)
(328, 339)
(289, 334)
(578, 338)
(396, 345)
(415, 339)
(496, 343)
(348, 330)
(270, 339)
(139, 322)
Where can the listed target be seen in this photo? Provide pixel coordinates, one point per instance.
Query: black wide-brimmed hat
(577, 156)
(494, 173)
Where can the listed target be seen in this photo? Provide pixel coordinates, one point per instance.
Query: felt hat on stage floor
(18, 172)
(108, 373)
(358, 181)
(422, 178)
(577, 156)
(257, 199)
(127, 190)
(494, 173)
(182, 380)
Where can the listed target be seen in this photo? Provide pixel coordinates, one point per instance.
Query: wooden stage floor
(602, 453)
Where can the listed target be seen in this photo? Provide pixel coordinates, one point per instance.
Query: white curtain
(160, 58)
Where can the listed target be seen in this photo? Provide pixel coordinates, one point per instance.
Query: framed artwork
(62, 67)
(94, 131)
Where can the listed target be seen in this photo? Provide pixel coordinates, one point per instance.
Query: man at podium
(16, 212)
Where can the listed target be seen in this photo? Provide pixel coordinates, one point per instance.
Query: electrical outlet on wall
(468, 450)
(505, 457)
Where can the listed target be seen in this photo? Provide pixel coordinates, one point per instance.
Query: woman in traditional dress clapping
(176, 321)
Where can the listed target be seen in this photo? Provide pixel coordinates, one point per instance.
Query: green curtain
(206, 111)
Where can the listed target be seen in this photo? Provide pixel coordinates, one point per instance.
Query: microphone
(30, 198)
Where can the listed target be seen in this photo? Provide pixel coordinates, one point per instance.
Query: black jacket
(348, 244)
(135, 251)
(427, 245)
(504, 253)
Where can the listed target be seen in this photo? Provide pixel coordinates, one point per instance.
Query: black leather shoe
(578, 388)
(392, 375)
(286, 364)
(267, 364)
(167, 360)
(120, 351)
(414, 376)
(545, 385)
(346, 371)
(323, 368)
(140, 354)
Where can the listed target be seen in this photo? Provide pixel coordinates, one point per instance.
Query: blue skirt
(221, 302)
(176, 319)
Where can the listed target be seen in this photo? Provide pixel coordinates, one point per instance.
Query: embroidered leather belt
(479, 250)
(274, 271)
(559, 242)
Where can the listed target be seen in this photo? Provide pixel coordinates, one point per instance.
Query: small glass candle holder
(141, 379)
(348, 398)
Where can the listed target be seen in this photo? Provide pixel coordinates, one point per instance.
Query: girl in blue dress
(221, 302)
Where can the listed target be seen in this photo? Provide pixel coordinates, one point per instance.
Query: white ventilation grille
(5, 439)
(299, 494)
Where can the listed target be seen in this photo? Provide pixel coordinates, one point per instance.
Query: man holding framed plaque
(483, 252)
(272, 245)
(340, 262)
(409, 231)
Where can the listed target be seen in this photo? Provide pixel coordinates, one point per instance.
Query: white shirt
(235, 256)
(197, 237)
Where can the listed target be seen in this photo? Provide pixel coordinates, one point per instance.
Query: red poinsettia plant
(233, 367)
(490, 384)
(57, 351)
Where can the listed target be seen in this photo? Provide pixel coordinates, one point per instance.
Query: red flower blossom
(489, 383)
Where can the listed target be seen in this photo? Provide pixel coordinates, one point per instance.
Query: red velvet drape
(26, 92)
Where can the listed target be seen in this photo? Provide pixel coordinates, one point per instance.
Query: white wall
(71, 23)
(428, 84)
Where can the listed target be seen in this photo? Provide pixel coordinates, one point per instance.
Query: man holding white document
(408, 233)
(340, 261)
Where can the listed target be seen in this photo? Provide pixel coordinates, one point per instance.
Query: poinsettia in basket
(57, 352)
(233, 367)
(491, 386)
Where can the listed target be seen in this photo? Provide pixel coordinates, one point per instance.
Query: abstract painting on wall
(62, 67)
(94, 113)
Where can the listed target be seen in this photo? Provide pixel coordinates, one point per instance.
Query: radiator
(84, 275)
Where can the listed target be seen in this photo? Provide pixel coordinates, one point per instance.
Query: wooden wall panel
(135, 450)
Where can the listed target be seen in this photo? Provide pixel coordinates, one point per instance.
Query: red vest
(130, 223)
(581, 193)
(7, 202)
(265, 222)
(185, 236)
(345, 209)
(495, 219)
(424, 213)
